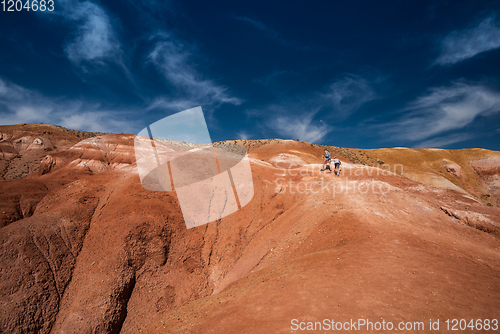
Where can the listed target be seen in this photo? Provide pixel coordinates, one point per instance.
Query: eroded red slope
(411, 253)
(102, 254)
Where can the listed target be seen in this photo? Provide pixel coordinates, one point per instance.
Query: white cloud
(99, 121)
(173, 104)
(95, 39)
(243, 135)
(444, 140)
(300, 127)
(444, 109)
(294, 118)
(348, 94)
(21, 105)
(463, 44)
(95, 42)
(12, 92)
(174, 59)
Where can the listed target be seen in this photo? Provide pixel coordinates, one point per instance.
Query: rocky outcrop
(19, 198)
(452, 168)
(23, 147)
(8, 152)
(97, 154)
(488, 170)
(4, 136)
(46, 165)
(38, 255)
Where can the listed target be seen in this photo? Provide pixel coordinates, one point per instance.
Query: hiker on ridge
(337, 163)
(327, 157)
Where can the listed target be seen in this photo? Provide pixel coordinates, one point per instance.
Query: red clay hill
(402, 236)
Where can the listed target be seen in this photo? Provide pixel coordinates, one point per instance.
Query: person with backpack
(327, 158)
(336, 163)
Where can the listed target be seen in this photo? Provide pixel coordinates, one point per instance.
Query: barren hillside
(402, 235)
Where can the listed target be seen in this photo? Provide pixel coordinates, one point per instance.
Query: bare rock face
(488, 170)
(137, 261)
(19, 198)
(22, 147)
(84, 248)
(48, 162)
(4, 136)
(8, 152)
(37, 256)
(28, 143)
(97, 154)
(115, 152)
(452, 168)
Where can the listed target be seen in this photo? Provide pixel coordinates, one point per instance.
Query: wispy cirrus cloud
(92, 36)
(443, 109)
(463, 44)
(300, 127)
(243, 135)
(93, 41)
(95, 38)
(348, 94)
(310, 117)
(21, 105)
(293, 119)
(173, 59)
(444, 141)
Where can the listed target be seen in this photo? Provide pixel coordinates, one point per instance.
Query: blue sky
(363, 74)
